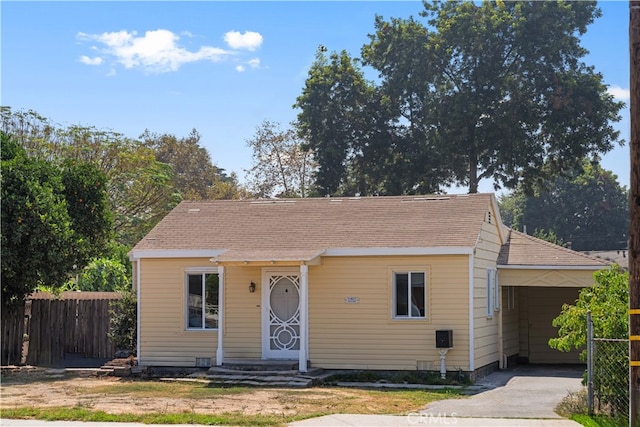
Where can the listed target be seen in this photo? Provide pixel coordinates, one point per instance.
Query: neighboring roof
(284, 229)
(620, 256)
(522, 250)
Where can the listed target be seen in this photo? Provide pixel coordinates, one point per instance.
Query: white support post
(304, 316)
(502, 364)
(220, 351)
(138, 308)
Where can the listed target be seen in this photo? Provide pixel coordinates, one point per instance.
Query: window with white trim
(497, 295)
(491, 291)
(409, 295)
(202, 300)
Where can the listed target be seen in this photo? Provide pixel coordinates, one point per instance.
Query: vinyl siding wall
(242, 327)
(364, 335)
(164, 339)
(341, 335)
(485, 327)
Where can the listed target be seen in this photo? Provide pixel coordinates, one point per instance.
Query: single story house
(351, 283)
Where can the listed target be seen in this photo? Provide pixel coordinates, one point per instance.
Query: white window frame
(202, 272)
(497, 295)
(394, 308)
(491, 291)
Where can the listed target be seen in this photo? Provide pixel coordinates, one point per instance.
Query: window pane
(402, 294)
(417, 295)
(195, 300)
(489, 292)
(211, 308)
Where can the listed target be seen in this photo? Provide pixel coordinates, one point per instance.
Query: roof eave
(137, 254)
(551, 267)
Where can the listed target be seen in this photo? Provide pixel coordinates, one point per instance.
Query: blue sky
(219, 67)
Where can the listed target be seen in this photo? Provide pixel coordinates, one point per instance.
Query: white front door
(281, 315)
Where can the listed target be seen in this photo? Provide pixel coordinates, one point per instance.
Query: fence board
(13, 321)
(74, 323)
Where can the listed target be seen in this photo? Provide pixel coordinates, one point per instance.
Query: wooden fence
(73, 323)
(13, 329)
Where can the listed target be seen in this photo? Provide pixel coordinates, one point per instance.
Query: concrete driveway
(522, 392)
(523, 396)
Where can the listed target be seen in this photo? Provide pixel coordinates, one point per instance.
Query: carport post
(634, 211)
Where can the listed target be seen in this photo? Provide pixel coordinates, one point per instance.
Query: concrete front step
(260, 380)
(267, 378)
(261, 365)
(223, 370)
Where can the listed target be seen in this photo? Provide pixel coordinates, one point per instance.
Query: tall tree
(53, 220)
(193, 172)
(85, 191)
(497, 90)
(589, 209)
(280, 165)
(349, 124)
(139, 186)
(330, 115)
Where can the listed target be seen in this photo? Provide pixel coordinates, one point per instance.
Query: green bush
(123, 322)
(105, 275)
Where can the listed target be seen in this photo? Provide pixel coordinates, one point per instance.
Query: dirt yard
(119, 395)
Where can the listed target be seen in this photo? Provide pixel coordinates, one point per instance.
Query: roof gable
(302, 228)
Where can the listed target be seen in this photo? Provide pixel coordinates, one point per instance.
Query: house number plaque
(352, 300)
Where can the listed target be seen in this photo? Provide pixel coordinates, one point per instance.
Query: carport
(536, 279)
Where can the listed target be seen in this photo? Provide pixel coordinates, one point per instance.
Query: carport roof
(522, 250)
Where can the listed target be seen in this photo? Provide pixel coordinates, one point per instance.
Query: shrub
(123, 322)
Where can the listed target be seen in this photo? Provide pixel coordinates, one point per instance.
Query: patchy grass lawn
(113, 399)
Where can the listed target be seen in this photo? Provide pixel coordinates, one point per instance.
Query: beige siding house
(351, 283)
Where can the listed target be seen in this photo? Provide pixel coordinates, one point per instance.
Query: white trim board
(334, 252)
(550, 267)
(175, 253)
(443, 250)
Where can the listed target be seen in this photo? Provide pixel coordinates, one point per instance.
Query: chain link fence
(607, 375)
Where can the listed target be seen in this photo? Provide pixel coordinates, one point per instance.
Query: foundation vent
(203, 362)
(424, 365)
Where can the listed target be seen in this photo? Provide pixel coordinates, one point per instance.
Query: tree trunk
(473, 168)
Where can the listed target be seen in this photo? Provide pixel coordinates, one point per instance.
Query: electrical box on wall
(444, 338)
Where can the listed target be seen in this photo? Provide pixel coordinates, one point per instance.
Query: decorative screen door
(281, 302)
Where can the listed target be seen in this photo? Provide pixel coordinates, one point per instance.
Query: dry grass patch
(186, 400)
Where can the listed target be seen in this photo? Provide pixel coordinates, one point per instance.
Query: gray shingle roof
(300, 228)
(522, 249)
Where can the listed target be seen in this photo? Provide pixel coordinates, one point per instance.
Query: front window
(409, 295)
(202, 301)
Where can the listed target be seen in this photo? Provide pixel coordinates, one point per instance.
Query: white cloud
(621, 94)
(91, 61)
(254, 63)
(157, 51)
(249, 40)
(240, 68)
